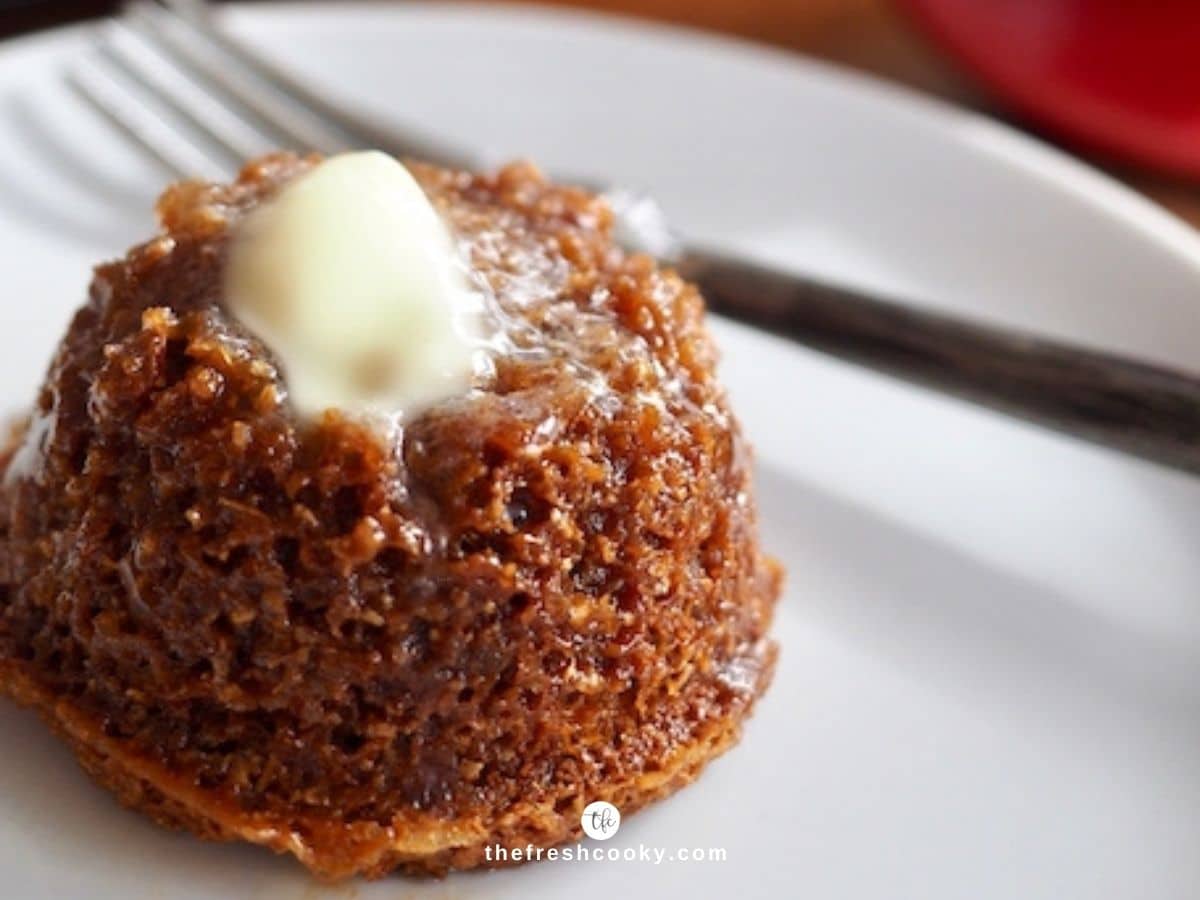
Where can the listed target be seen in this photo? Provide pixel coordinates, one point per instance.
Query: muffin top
(582, 337)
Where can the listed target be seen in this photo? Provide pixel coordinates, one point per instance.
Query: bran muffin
(387, 650)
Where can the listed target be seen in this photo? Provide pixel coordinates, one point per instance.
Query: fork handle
(1146, 410)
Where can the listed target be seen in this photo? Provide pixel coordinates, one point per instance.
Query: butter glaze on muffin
(387, 651)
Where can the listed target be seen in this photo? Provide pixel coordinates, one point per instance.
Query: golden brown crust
(364, 850)
(387, 653)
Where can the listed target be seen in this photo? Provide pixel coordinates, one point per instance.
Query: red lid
(1122, 76)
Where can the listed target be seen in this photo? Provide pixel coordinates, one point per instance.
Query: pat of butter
(352, 279)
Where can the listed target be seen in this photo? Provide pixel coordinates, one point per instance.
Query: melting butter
(353, 280)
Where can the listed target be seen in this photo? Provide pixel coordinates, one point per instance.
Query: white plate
(990, 684)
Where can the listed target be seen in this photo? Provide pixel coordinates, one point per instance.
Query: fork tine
(294, 131)
(145, 131)
(231, 150)
(196, 16)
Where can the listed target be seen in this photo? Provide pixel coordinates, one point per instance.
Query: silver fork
(195, 100)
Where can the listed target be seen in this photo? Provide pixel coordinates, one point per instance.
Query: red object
(1121, 76)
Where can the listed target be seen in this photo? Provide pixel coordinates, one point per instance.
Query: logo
(600, 820)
